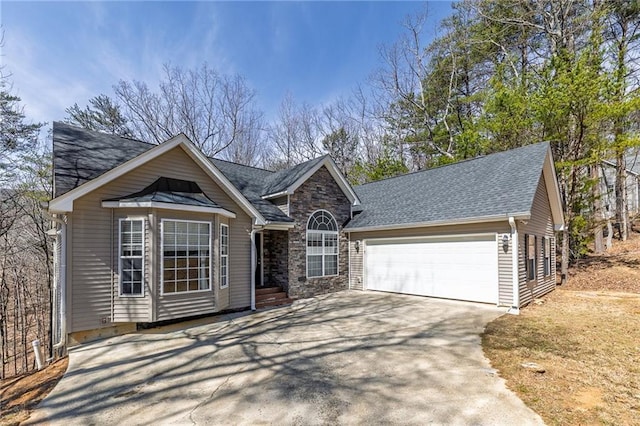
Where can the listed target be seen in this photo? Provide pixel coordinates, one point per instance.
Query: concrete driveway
(345, 358)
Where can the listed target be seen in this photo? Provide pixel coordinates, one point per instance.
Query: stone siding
(320, 191)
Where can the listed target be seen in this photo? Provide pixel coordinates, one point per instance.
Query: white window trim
(162, 293)
(315, 231)
(546, 256)
(528, 252)
(224, 256)
(131, 219)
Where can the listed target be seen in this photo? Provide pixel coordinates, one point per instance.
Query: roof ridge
(240, 164)
(466, 160)
(84, 129)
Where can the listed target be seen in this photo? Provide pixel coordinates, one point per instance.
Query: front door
(258, 240)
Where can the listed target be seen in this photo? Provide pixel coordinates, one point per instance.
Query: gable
(323, 188)
(65, 202)
(286, 182)
(175, 164)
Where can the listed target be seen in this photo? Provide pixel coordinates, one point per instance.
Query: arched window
(322, 245)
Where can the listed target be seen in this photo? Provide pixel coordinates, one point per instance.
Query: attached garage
(455, 267)
(480, 230)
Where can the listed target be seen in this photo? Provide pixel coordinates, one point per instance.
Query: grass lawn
(587, 338)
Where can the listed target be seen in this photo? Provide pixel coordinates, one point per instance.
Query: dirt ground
(586, 338)
(20, 395)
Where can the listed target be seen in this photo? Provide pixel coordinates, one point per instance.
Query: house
(632, 184)
(148, 233)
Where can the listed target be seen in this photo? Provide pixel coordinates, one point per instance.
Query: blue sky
(60, 53)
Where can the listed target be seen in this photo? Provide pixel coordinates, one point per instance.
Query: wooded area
(499, 75)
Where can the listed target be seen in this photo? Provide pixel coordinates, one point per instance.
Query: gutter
(62, 234)
(276, 195)
(515, 279)
(480, 219)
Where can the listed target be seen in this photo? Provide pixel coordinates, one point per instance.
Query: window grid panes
(224, 255)
(131, 257)
(546, 253)
(186, 260)
(322, 245)
(530, 246)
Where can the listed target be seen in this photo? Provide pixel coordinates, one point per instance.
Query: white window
(131, 247)
(224, 255)
(186, 256)
(546, 255)
(322, 245)
(530, 255)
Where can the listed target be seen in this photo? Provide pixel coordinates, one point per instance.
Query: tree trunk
(598, 213)
(622, 215)
(564, 258)
(608, 242)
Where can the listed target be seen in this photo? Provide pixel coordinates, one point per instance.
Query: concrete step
(270, 296)
(267, 290)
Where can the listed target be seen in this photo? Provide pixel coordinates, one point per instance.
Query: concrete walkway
(345, 358)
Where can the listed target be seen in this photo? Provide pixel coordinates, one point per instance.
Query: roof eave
(447, 222)
(168, 206)
(278, 226)
(553, 191)
(276, 195)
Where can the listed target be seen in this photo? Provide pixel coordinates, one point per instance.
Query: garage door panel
(455, 268)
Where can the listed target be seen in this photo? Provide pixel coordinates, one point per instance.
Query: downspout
(253, 269)
(515, 277)
(63, 284)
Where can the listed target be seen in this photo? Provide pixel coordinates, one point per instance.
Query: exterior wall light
(505, 242)
(357, 246)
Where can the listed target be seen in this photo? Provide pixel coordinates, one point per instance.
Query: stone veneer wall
(320, 191)
(276, 252)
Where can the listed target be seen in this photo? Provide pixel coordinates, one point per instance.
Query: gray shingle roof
(283, 179)
(250, 181)
(80, 155)
(497, 184)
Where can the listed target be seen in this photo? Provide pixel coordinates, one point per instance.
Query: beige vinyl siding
(91, 290)
(540, 224)
(504, 259)
(131, 308)
(91, 272)
(240, 262)
(356, 277)
(505, 272)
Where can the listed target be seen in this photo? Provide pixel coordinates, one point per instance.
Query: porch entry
(259, 260)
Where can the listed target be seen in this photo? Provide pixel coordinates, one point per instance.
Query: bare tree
(213, 110)
(295, 135)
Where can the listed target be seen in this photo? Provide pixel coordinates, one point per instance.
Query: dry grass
(586, 336)
(20, 395)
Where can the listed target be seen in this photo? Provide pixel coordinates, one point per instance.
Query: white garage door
(463, 268)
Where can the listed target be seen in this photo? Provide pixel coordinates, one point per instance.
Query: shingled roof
(250, 181)
(81, 155)
(500, 184)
